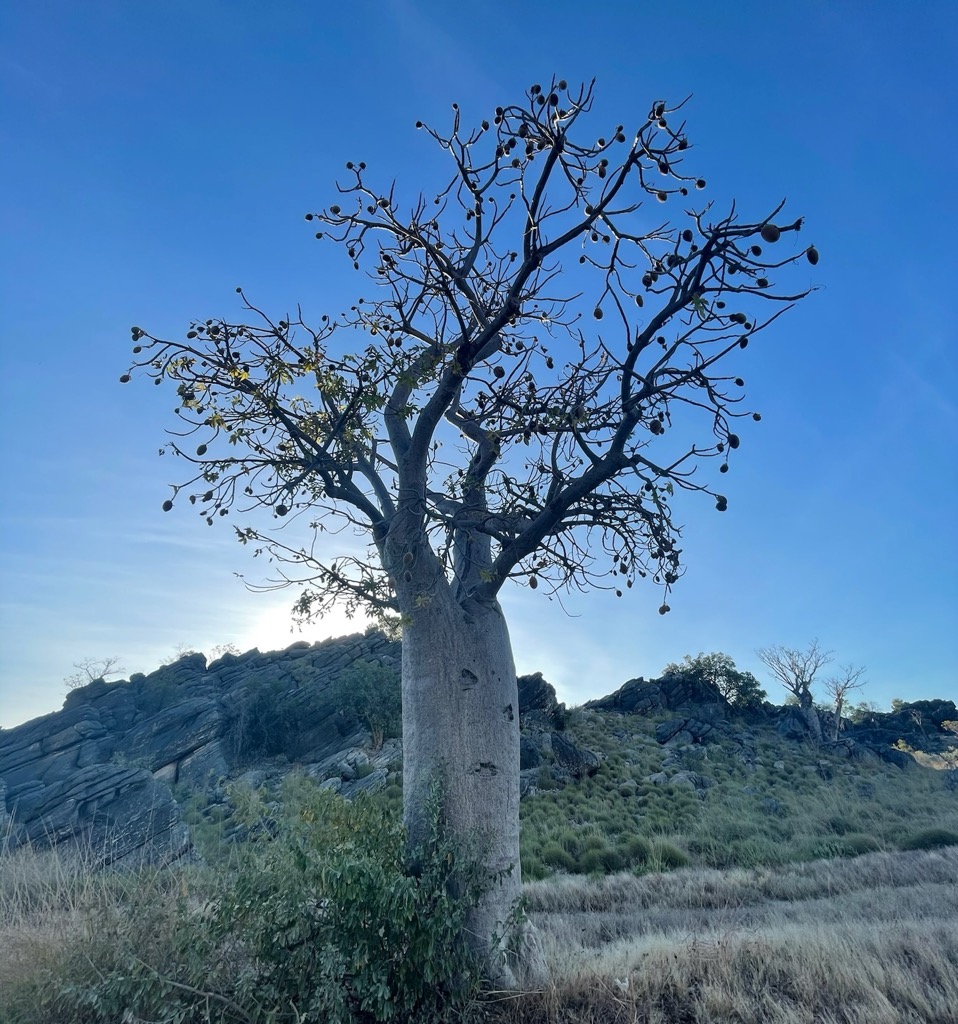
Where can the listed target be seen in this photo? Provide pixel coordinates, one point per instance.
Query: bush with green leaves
(372, 692)
(320, 920)
(337, 926)
(930, 839)
(717, 670)
(261, 721)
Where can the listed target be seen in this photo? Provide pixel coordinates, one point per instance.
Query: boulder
(576, 761)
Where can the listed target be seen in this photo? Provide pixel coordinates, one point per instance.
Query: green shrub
(373, 693)
(930, 839)
(260, 722)
(667, 856)
(635, 850)
(599, 860)
(554, 856)
(854, 844)
(319, 922)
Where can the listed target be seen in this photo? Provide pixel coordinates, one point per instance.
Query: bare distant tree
(795, 669)
(840, 686)
(91, 669)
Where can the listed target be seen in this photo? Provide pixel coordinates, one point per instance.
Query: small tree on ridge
(740, 689)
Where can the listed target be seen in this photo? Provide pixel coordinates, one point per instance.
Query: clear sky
(156, 155)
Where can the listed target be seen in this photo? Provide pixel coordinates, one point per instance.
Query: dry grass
(871, 940)
(53, 903)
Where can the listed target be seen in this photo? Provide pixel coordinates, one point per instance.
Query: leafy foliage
(337, 925)
(260, 721)
(372, 692)
(320, 921)
(740, 689)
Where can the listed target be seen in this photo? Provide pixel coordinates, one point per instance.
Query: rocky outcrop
(538, 705)
(101, 772)
(670, 693)
(919, 724)
(105, 771)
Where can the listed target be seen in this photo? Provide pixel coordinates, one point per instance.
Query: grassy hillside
(749, 879)
(755, 799)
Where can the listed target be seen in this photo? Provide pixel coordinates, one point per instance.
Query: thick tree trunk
(460, 716)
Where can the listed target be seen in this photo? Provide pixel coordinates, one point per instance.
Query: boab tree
(839, 687)
(542, 364)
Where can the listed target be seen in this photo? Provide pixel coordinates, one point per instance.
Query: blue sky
(157, 155)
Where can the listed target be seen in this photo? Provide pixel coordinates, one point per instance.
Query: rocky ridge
(107, 770)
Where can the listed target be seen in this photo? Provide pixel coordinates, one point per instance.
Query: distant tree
(372, 692)
(220, 649)
(180, 651)
(863, 711)
(539, 366)
(796, 669)
(740, 689)
(839, 686)
(92, 669)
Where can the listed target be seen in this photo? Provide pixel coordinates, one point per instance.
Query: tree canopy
(740, 689)
(540, 361)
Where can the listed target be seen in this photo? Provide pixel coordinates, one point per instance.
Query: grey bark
(461, 731)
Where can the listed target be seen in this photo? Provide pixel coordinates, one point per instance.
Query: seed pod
(811, 254)
(281, 510)
(334, 210)
(597, 313)
(757, 416)
(498, 371)
(687, 235)
(733, 441)
(664, 610)
(721, 503)
(201, 449)
(771, 233)
(125, 379)
(167, 505)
